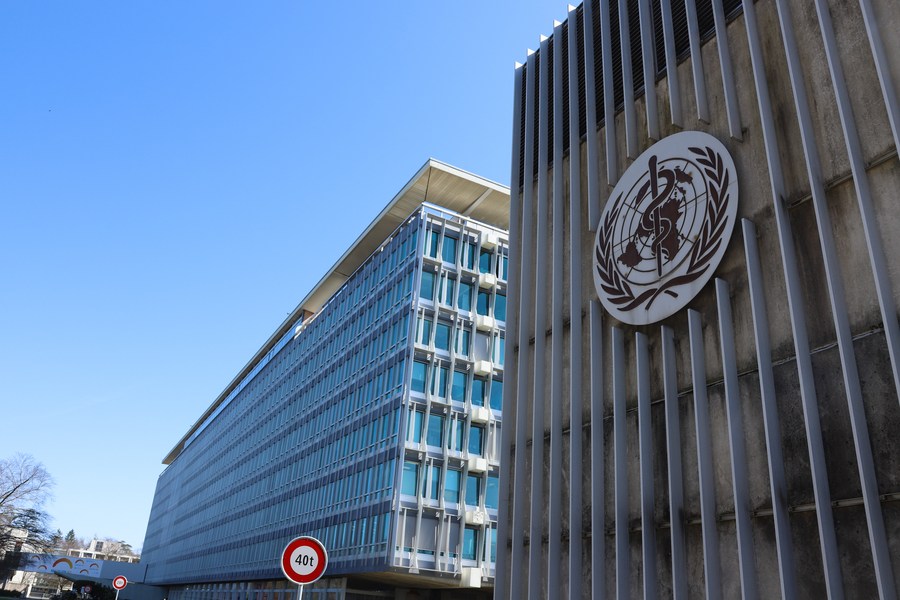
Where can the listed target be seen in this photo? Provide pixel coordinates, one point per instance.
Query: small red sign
(304, 560)
(120, 582)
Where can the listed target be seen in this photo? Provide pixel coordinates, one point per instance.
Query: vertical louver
(706, 26)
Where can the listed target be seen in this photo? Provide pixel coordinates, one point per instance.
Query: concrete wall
(862, 539)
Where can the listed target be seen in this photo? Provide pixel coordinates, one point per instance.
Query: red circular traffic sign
(120, 582)
(304, 560)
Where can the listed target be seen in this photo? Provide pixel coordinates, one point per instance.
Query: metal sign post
(119, 582)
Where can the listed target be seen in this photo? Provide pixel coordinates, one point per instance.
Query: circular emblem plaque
(665, 227)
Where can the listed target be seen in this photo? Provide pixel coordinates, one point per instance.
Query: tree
(27, 531)
(24, 486)
(24, 483)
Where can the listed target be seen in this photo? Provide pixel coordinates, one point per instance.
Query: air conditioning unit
(475, 517)
(477, 464)
(480, 414)
(483, 367)
(485, 323)
(489, 240)
(471, 577)
(487, 280)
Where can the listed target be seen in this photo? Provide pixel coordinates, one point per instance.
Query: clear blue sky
(176, 175)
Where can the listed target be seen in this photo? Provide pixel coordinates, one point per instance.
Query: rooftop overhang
(436, 183)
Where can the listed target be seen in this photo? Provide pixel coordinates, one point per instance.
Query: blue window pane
(427, 289)
(484, 261)
(455, 439)
(473, 489)
(451, 486)
(410, 478)
(484, 303)
(458, 390)
(442, 336)
(448, 291)
(476, 440)
(435, 435)
(478, 386)
(448, 252)
(425, 328)
(504, 269)
(439, 385)
(470, 256)
(465, 296)
(418, 376)
(492, 493)
(434, 488)
(431, 246)
(463, 341)
(415, 427)
(499, 349)
(500, 307)
(470, 543)
(497, 395)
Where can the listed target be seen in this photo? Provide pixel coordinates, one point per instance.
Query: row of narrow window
(426, 482)
(471, 545)
(482, 390)
(456, 438)
(442, 289)
(445, 244)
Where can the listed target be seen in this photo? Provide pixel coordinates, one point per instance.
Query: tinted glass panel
(451, 486)
(484, 302)
(410, 478)
(497, 395)
(431, 248)
(470, 256)
(448, 252)
(463, 341)
(476, 441)
(418, 376)
(465, 296)
(442, 337)
(435, 435)
(473, 489)
(427, 289)
(500, 307)
(484, 261)
(434, 488)
(492, 493)
(449, 288)
(458, 391)
(470, 543)
(415, 427)
(478, 386)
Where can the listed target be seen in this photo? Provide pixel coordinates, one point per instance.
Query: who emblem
(665, 228)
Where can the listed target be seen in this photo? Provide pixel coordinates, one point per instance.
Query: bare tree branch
(24, 483)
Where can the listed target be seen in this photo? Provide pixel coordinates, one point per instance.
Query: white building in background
(105, 549)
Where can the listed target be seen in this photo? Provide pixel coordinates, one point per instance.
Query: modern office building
(704, 353)
(370, 420)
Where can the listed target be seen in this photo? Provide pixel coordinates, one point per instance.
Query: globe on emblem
(665, 228)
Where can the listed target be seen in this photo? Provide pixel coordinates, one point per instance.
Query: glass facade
(377, 407)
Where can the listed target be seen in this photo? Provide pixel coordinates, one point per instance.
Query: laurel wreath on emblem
(708, 240)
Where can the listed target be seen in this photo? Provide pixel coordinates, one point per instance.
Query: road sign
(304, 560)
(120, 582)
